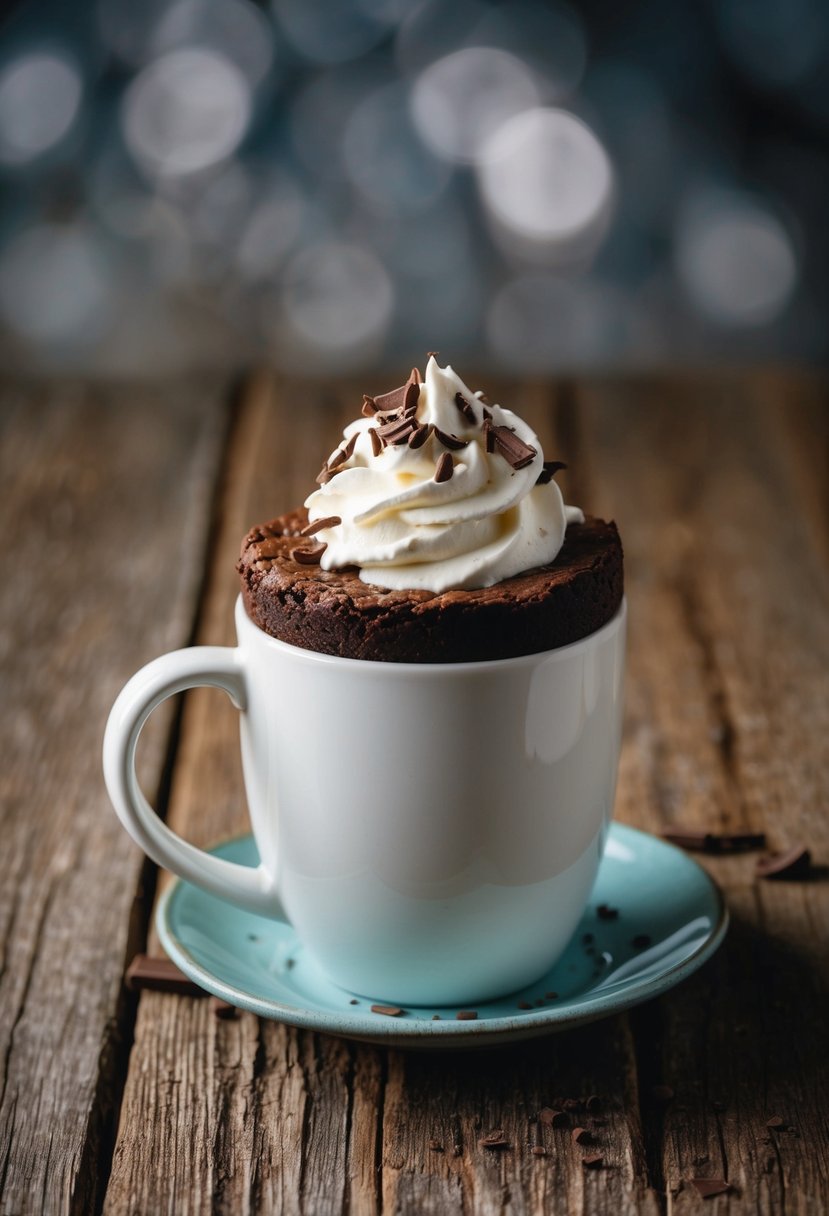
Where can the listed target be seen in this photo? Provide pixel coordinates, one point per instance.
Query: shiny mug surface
(432, 831)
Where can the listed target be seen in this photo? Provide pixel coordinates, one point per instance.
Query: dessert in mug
(429, 676)
(437, 535)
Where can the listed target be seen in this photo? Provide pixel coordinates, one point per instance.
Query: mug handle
(217, 666)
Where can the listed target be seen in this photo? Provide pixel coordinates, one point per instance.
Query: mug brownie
(437, 535)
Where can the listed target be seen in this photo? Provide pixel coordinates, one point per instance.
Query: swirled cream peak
(435, 489)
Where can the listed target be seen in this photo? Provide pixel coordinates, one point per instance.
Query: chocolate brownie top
(335, 612)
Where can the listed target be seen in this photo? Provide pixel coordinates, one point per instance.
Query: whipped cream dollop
(434, 489)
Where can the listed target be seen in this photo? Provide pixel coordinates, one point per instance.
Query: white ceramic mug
(432, 831)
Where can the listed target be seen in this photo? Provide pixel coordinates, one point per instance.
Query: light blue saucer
(660, 894)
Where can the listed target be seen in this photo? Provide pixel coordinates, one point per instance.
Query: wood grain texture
(718, 483)
(337, 1126)
(105, 493)
(717, 489)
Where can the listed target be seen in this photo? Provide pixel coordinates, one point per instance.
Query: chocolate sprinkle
(397, 430)
(466, 1015)
(708, 1187)
(538, 1150)
(793, 863)
(465, 408)
(389, 1011)
(445, 468)
(489, 435)
(515, 451)
(450, 441)
(308, 557)
(330, 521)
(548, 471)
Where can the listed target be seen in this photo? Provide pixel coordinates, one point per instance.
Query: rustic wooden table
(124, 508)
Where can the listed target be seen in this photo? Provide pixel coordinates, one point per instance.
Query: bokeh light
(40, 95)
(459, 101)
(319, 185)
(735, 259)
(547, 183)
(54, 285)
(336, 302)
(236, 29)
(186, 111)
(385, 160)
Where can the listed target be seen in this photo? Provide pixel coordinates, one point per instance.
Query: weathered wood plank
(104, 494)
(719, 501)
(332, 1126)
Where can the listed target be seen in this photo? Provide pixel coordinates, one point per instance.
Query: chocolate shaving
(495, 1139)
(369, 406)
(775, 1121)
(580, 1135)
(702, 841)
(308, 557)
(445, 468)
(271, 547)
(466, 409)
(389, 1011)
(793, 863)
(708, 1187)
(376, 440)
(387, 402)
(415, 375)
(397, 430)
(553, 1118)
(489, 435)
(342, 454)
(324, 475)
(548, 471)
(159, 975)
(432, 354)
(317, 525)
(450, 441)
(605, 912)
(594, 1161)
(412, 397)
(593, 1104)
(514, 450)
(419, 436)
(466, 1015)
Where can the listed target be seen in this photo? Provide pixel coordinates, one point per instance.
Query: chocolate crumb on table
(389, 1011)
(795, 862)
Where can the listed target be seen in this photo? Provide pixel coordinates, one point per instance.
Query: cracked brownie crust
(335, 612)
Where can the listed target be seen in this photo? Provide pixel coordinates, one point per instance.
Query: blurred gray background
(326, 184)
